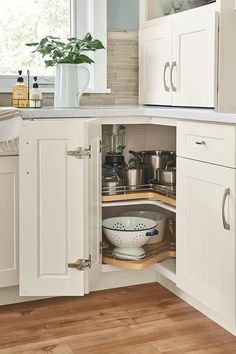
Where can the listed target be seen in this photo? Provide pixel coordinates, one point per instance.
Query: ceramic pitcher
(70, 83)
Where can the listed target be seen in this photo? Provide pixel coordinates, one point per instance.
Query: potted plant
(68, 57)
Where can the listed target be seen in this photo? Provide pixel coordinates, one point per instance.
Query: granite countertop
(197, 114)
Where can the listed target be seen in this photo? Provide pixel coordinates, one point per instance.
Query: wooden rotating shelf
(149, 195)
(155, 253)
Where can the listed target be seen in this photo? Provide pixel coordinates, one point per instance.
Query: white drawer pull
(226, 194)
(201, 142)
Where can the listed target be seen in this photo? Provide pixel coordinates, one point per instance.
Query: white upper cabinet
(206, 235)
(57, 205)
(178, 61)
(194, 63)
(155, 59)
(9, 270)
(202, 65)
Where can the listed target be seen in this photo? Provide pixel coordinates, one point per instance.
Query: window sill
(51, 90)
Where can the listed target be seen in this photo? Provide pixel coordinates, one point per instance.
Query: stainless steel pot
(166, 177)
(111, 188)
(161, 160)
(135, 178)
(150, 160)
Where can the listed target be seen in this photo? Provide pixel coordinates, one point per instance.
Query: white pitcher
(71, 82)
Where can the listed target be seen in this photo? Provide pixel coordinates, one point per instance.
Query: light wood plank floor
(145, 319)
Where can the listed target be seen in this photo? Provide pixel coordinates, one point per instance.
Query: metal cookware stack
(164, 168)
(151, 166)
(138, 170)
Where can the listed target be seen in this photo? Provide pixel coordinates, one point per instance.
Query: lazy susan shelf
(155, 253)
(148, 195)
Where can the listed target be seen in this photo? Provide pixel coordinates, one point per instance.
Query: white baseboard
(10, 295)
(197, 305)
(118, 279)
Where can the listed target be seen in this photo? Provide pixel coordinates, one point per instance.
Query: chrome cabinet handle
(167, 65)
(225, 224)
(201, 142)
(174, 65)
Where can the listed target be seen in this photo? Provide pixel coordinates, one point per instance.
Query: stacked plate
(125, 255)
(172, 228)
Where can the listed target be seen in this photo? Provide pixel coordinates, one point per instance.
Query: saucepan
(166, 176)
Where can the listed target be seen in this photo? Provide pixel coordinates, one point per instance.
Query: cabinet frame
(9, 240)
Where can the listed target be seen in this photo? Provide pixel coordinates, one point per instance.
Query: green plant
(71, 52)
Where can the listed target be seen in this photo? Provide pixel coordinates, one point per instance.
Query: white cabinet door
(194, 60)
(206, 235)
(9, 221)
(155, 62)
(55, 206)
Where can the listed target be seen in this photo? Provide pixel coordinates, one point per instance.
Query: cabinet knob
(201, 142)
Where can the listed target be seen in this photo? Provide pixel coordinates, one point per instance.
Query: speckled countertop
(196, 114)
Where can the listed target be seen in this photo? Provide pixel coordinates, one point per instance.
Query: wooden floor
(143, 319)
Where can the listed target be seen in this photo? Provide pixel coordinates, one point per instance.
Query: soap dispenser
(35, 95)
(20, 98)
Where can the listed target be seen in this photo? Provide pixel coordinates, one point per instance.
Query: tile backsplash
(122, 74)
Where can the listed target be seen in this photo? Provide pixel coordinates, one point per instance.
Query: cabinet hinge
(80, 153)
(101, 145)
(81, 264)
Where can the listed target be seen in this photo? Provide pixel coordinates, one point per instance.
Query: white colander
(129, 234)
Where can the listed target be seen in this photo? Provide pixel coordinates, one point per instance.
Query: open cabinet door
(54, 206)
(95, 204)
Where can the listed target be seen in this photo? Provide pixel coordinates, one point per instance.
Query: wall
(122, 74)
(122, 71)
(123, 15)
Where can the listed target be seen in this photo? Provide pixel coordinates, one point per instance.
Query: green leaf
(43, 41)
(44, 52)
(49, 63)
(32, 44)
(88, 37)
(58, 43)
(70, 51)
(51, 37)
(83, 59)
(98, 44)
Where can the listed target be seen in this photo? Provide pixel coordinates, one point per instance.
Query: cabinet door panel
(54, 207)
(155, 61)
(9, 221)
(205, 249)
(195, 53)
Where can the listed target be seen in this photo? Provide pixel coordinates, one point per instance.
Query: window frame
(79, 25)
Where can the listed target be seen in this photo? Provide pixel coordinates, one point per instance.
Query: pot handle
(80, 93)
(152, 233)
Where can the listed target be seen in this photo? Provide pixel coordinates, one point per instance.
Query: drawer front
(213, 143)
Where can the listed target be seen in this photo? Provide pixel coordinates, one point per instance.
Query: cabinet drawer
(213, 143)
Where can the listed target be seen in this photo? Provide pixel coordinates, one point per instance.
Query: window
(29, 20)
